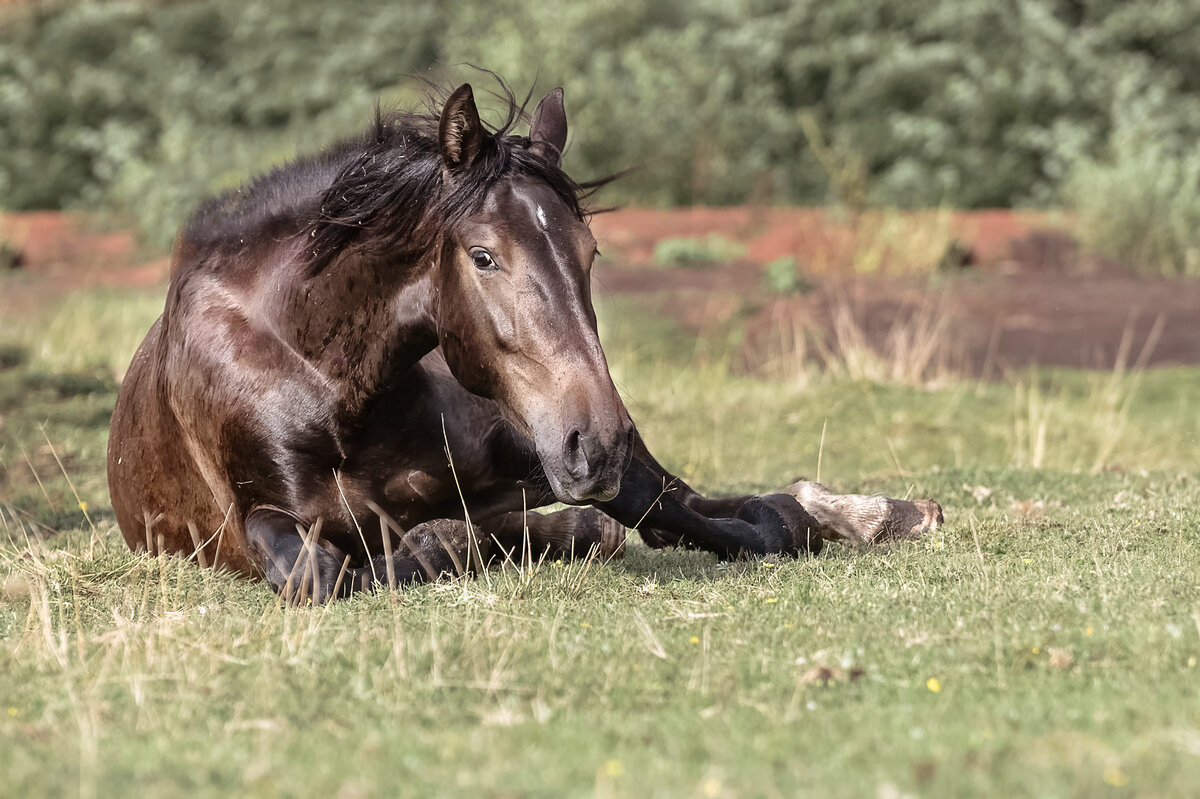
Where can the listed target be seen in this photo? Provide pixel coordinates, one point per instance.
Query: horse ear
(460, 134)
(548, 131)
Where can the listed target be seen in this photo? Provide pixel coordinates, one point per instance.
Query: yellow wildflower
(933, 684)
(1114, 776)
(772, 600)
(694, 640)
(614, 768)
(83, 505)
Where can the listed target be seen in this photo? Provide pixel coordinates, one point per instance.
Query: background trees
(146, 107)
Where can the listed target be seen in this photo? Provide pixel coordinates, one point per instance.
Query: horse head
(513, 305)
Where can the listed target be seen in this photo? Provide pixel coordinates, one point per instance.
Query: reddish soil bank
(817, 235)
(67, 251)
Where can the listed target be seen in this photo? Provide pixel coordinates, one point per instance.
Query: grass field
(1045, 642)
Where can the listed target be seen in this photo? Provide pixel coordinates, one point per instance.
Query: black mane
(383, 189)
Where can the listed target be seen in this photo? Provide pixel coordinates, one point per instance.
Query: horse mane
(385, 188)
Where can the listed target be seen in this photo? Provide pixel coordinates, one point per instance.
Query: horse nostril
(574, 455)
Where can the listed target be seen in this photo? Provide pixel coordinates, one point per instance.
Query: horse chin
(563, 494)
(608, 493)
(570, 496)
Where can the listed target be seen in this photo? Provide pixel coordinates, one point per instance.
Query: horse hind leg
(301, 566)
(564, 534)
(861, 519)
(450, 547)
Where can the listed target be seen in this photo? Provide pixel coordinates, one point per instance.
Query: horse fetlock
(784, 524)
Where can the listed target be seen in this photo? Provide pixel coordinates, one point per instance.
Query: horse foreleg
(856, 518)
(301, 566)
(654, 501)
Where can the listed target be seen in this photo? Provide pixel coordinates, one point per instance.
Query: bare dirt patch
(996, 322)
(1026, 294)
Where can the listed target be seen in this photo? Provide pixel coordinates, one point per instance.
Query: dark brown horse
(360, 350)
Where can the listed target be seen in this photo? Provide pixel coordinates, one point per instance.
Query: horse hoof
(606, 534)
(912, 519)
(785, 523)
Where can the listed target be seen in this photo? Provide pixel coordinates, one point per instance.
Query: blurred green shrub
(1139, 200)
(149, 106)
(783, 276)
(697, 251)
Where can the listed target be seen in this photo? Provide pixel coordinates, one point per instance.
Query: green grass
(1058, 611)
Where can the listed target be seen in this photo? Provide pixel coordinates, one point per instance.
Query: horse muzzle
(592, 464)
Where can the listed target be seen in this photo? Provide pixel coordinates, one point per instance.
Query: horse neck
(359, 321)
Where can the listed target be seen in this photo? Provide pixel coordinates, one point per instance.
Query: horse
(373, 363)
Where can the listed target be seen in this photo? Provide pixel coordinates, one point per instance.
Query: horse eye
(483, 259)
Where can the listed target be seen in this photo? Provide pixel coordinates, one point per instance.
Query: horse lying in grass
(372, 362)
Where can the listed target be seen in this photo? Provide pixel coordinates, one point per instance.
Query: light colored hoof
(912, 519)
(859, 519)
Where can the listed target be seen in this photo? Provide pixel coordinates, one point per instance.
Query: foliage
(1139, 201)
(697, 251)
(148, 106)
(782, 276)
(151, 108)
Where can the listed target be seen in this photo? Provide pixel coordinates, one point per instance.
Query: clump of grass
(1047, 413)
(895, 242)
(697, 251)
(88, 331)
(916, 349)
(10, 256)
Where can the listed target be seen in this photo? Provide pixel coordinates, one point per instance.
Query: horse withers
(372, 362)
